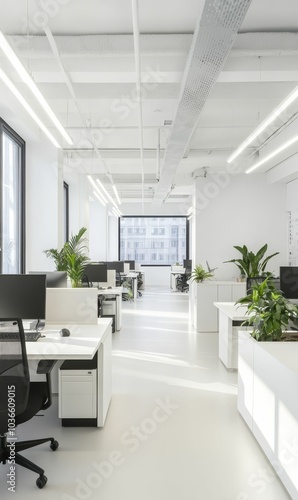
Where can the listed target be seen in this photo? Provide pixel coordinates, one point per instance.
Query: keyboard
(15, 336)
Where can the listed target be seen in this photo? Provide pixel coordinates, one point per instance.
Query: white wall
(41, 204)
(97, 231)
(113, 238)
(244, 210)
(157, 276)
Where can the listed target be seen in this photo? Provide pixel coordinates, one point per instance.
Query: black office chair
(182, 284)
(20, 399)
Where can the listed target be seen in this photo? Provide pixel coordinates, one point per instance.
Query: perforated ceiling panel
(216, 30)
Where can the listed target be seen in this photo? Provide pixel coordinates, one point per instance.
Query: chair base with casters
(5, 453)
(38, 397)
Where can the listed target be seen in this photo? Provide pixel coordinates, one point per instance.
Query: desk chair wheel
(54, 445)
(41, 481)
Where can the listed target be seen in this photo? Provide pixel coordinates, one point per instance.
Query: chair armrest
(45, 366)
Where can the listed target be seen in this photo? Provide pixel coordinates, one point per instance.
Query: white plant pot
(268, 402)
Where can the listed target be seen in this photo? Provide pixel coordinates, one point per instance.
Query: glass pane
(148, 234)
(11, 237)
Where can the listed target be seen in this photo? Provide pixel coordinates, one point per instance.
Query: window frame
(5, 128)
(155, 217)
(66, 210)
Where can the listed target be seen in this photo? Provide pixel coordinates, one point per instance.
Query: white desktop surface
(117, 290)
(83, 342)
(232, 310)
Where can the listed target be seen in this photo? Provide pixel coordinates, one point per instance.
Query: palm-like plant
(71, 257)
(199, 274)
(251, 264)
(269, 312)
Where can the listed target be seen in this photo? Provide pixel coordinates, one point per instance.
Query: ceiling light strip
(99, 198)
(136, 38)
(93, 183)
(23, 73)
(28, 108)
(106, 193)
(274, 153)
(116, 194)
(265, 124)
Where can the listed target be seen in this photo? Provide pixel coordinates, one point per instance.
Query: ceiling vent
(216, 30)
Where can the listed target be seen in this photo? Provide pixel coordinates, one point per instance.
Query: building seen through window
(153, 240)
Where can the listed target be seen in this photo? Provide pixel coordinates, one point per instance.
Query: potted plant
(199, 274)
(251, 264)
(269, 311)
(71, 258)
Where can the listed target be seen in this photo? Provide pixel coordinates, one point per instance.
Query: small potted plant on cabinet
(250, 264)
(71, 257)
(199, 274)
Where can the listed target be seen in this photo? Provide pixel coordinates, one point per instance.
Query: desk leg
(104, 380)
(118, 312)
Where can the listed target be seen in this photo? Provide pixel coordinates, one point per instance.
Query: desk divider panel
(72, 306)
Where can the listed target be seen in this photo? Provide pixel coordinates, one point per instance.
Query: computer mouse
(109, 287)
(64, 332)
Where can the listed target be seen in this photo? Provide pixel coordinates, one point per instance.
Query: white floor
(173, 431)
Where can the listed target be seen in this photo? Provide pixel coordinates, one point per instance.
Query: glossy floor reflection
(173, 430)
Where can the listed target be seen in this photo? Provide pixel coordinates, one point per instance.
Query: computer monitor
(132, 264)
(23, 296)
(256, 280)
(54, 279)
(187, 263)
(289, 281)
(96, 273)
(117, 265)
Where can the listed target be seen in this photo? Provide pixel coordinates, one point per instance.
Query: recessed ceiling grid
(213, 39)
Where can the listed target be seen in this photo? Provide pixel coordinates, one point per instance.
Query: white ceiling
(95, 43)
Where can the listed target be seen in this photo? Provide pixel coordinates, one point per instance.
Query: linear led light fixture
(106, 193)
(278, 150)
(97, 188)
(189, 217)
(23, 73)
(28, 108)
(116, 194)
(275, 113)
(189, 211)
(99, 198)
(114, 212)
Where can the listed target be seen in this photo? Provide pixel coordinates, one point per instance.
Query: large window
(12, 201)
(163, 240)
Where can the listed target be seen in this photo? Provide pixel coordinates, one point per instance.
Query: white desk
(230, 318)
(83, 343)
(117, 291)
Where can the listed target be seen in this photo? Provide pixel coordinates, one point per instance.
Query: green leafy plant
(251, 264)
(269, 311)
(71, 258)
(199, 274)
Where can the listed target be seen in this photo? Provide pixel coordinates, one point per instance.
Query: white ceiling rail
(104, 45)
(74, 97)
(136, 38)
(215, 33)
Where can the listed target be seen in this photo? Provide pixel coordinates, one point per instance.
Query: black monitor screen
(117, 265)
(96, 273)
(187, 263)
(289, 281)
(54, 279)
(132, 264)
(23, 296)
(257, 280)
